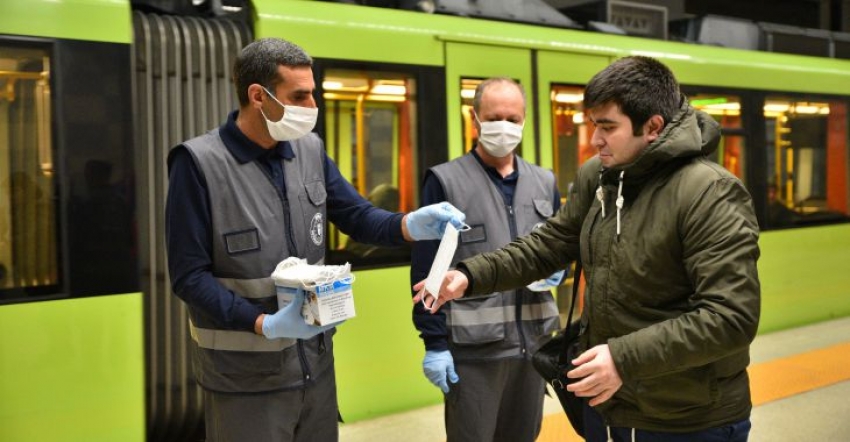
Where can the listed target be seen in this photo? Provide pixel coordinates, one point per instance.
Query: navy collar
(492, 170)
(245, 150)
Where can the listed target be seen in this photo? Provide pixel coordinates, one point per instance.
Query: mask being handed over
(499, 138)
(297, 121)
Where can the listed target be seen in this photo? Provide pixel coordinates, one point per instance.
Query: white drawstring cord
(610, 439)
(619, 202)
(600, 195)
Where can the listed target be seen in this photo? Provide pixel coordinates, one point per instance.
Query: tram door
(466, 66)
(564, 133)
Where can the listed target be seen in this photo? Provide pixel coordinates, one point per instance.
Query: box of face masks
(330, 302)
(326, 291)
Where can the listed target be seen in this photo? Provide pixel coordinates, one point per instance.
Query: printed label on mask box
(330, 303)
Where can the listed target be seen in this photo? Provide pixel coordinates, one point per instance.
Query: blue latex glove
(437, 366)
(429, 222)
(542, 285)
(288, 322)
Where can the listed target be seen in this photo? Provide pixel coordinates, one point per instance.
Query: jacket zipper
(287, 218)
(517, 296)
(589, 281)
(290, 244)
(590, 235)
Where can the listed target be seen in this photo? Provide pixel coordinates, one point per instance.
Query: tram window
(570, 134)
(807, 161)
(28, 240)
(467, 94)
(371, 121)
(726, 110)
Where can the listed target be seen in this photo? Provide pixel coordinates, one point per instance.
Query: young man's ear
(653, 127)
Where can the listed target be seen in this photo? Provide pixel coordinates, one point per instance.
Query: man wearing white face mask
(478, 353)
(242, 198)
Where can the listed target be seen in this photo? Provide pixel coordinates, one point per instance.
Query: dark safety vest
(502, 324)
(254, 227)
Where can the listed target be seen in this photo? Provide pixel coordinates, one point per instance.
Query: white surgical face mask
(442, 261)
(499, 138)
(297, 121)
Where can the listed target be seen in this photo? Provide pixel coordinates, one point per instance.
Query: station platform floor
(800, 381)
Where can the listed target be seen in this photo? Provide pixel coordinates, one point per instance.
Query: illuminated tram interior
(28, 242)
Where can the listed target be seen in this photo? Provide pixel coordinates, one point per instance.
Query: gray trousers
(499, 400)
(306, 415)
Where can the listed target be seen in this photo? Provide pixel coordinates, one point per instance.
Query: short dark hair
(641, 86)
(258, 62)
(479, 90)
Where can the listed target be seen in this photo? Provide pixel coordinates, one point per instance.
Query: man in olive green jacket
(669, 243)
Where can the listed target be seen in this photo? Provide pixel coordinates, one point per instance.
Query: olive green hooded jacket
(672, 285)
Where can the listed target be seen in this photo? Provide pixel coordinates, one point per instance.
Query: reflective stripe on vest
(234, 340)
(495, 315)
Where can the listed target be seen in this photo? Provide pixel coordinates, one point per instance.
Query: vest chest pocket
(543, 208)
(477, 233)
(316, 192)
(478, 320)
(313, 210)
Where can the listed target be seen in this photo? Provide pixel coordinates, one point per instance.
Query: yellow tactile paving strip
(769, 381)
(797, 374)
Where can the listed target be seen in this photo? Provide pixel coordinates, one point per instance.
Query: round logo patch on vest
(317, 227)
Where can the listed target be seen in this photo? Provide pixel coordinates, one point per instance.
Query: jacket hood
(691, 133)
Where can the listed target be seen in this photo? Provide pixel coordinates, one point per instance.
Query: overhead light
(331, 85)
(776, 107)
(467, 93)
(389, 89)
(393, 98)
(334, 82)
(806, 109)
(564, 97)
(723, 106)
(726, 112)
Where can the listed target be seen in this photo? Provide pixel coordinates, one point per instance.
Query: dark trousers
(596, 431)
(499, 400)
(306, 415)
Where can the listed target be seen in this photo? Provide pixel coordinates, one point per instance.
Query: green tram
(93, 94)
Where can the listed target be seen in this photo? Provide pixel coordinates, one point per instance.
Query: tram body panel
(785, 128)
(73, 370)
